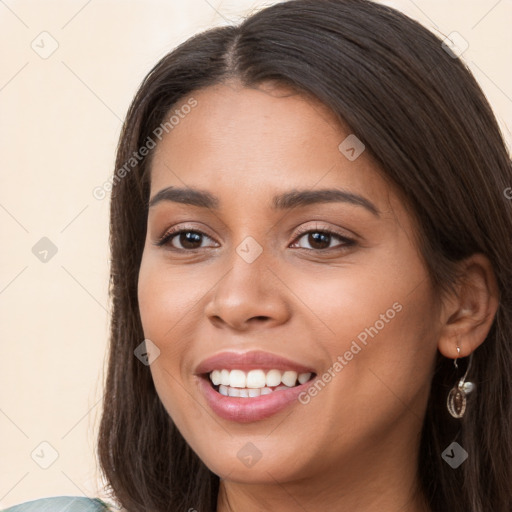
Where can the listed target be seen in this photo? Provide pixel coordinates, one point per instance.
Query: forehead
(263, 139)
(230, 116)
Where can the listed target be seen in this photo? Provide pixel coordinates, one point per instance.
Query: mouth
(251, 386)
(254, 383)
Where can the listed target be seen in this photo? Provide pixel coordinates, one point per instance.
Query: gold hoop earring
(457, 397)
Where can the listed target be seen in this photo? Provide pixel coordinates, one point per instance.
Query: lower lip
(245, 410)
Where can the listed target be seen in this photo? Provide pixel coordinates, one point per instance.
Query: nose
(247, 296)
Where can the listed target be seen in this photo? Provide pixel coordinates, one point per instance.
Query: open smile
(236, 389)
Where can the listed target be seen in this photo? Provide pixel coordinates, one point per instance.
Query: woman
(311, 234)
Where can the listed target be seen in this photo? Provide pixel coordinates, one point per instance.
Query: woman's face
(304, 261)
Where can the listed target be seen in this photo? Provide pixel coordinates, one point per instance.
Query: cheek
(162, 303)
(166, 296)
(376, 322)
(354, 299)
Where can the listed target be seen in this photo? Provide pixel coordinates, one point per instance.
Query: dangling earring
(456, 402)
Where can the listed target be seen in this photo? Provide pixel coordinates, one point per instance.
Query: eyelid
(322, 228)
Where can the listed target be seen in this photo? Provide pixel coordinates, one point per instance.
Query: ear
(467, 317)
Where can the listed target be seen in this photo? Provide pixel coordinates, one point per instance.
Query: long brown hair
(422, 116)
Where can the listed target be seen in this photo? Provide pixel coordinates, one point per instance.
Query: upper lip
(252, 360)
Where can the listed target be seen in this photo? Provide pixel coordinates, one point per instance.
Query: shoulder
(61, 504)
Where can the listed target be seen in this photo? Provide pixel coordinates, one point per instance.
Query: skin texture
(354, 445)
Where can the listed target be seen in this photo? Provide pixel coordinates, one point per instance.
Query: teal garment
(61, 504)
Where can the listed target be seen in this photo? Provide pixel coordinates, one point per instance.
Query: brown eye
(187, 239)
(319, 240)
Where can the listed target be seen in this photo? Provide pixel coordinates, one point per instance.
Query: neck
(290, 497)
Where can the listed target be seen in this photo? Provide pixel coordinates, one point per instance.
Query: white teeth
(237, 379)
(257, 379)
(215, 377)
(289, 378)
(233, 392)
(304, 377)
(224, 377)
(248, 392)
(273, 378)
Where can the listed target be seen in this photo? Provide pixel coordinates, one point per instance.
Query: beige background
(59, 125)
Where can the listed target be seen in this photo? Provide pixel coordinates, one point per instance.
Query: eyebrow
(284, 201)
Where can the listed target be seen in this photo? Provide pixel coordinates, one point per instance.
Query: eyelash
(169, 235)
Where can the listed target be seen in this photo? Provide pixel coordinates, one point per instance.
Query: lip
(246, 410)
(252, 360)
